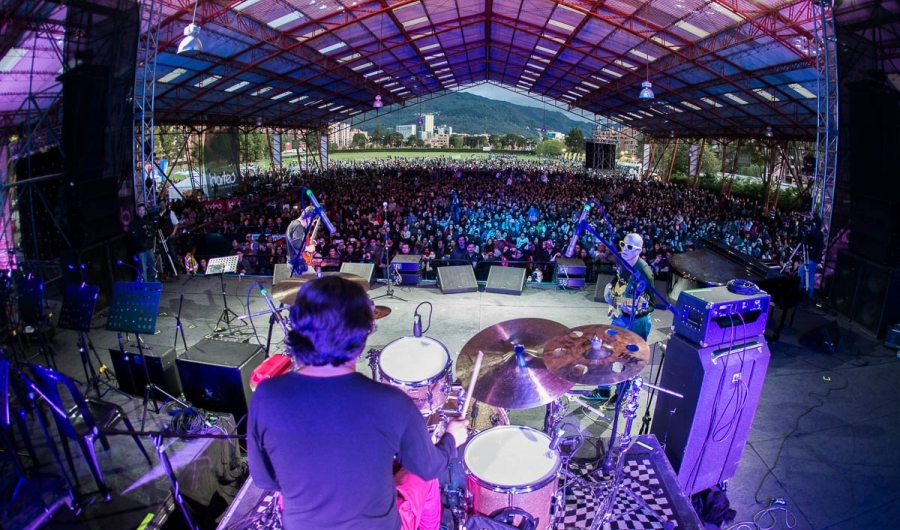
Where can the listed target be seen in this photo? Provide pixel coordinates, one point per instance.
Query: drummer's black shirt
(328, 444)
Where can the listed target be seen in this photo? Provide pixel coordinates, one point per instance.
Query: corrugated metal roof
(718, 67)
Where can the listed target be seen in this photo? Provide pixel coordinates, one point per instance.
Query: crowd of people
(483, 212)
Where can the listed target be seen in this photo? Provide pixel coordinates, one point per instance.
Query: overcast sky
(499, 93)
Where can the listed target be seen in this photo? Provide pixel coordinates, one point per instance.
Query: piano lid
(717, 264)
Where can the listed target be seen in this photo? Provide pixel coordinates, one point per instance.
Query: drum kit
(509, 472)
(517, 364)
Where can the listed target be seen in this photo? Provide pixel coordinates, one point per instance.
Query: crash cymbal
(286, 290)
(597, 354)
(381, 311)
(508, 380)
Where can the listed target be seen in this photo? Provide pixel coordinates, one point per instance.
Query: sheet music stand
(76, 314)
(133, 309)
(31, 312)
(221, 266)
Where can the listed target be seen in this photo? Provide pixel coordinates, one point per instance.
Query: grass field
(425, 153)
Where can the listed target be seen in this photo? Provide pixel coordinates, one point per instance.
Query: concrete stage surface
(824, 438)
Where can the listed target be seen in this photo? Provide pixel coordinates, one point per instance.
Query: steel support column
(144, 98)
(827, 115)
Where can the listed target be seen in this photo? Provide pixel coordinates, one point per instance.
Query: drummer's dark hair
(330, 320)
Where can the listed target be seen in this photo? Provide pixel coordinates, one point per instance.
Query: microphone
(557, 438)
(322, 214)
(579, 228)
(275, 313)
(417, 325)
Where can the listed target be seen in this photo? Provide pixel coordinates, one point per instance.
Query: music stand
(220, 266)
(76, 315)
(31, 312)
(133, 309)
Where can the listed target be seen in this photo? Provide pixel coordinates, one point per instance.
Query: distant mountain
(471, 114)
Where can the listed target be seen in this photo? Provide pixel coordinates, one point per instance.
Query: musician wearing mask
(630, 300)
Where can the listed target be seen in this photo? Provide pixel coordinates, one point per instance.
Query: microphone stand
(386, 259)
(157, 437)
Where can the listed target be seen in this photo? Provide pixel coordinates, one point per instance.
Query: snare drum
(420, 367)
(512, 466)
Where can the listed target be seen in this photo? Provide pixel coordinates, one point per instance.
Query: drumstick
(475, 370)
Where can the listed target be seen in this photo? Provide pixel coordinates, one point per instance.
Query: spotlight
(191, 43)
(378, 103)
(769, 131)
(646, 91)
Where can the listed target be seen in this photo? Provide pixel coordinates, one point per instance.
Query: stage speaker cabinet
(570, 273)
(505, 280)
(866, 292)
(160, 366)
(602, 281)
(215, 375)
(457, 279)
(363, 270)
(706, 431)
(406, 268)
(282, 272)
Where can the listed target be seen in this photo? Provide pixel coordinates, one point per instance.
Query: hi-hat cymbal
(597, 354)
(506, 380)
(286, 290)
(381, 311)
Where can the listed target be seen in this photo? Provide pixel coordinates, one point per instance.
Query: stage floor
(823, 438)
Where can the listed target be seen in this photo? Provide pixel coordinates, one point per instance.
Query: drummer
(325, 436)
(631, 248)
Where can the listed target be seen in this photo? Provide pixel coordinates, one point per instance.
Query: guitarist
(298, 242)
(619, 295)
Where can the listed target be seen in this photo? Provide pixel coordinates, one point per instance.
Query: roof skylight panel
(286, 19)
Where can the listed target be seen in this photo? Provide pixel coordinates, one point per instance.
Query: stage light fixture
(378, 103)
(769, 133)
(191, 44)
(646, 90)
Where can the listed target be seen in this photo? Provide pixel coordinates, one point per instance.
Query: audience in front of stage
(509, 211)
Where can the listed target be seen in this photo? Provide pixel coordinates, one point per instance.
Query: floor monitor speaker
(505, 280)
(457, 279)
(363, 270)
(282, 272)
(602, 281)
(215, 375)
(160, 366)
(705, 432)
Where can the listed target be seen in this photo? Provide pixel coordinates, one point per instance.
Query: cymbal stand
(604, 513)
(386, 261)
(372, 355)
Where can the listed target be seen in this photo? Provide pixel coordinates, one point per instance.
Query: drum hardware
(514, 375)
(614, 462)
(372, 357)
(381, 311)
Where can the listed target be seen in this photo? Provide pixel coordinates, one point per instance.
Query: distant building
(428, 127)
(354, 132)
(406, 130)
(443, 129)
(339, 133)
(555, 135)
(439, 140)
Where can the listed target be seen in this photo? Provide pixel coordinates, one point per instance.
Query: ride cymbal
(596, 354)
(509, 379)
(286, 290)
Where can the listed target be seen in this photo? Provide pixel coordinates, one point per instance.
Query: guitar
(309, 256)
(622, 305)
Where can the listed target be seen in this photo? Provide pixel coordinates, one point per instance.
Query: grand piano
(716, 263)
